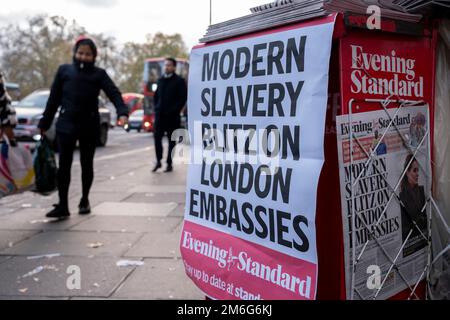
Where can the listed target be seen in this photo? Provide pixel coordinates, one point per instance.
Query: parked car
(135, 121)
(112, 110)
(30, 109)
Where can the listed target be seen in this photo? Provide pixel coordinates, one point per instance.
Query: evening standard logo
(362, 128)
(248, 264)
(367, 68)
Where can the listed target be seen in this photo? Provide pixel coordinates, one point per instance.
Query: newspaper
(389, 199)
(414, 5)
(283, 12)
(396, 5)
(262, 20)
(272, 5)
(361, 6)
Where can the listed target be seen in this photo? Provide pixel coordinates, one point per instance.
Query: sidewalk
(136, 216)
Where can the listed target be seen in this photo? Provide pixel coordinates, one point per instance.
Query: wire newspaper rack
(430, 203)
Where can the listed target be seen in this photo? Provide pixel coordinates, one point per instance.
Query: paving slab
(157, 197)
(168, 179)
(178, 211)
(156, 246)
(28, 199)
(148, 188)
(134, 209)
(7, 210)
(115, 184)
(4, 258)
(97, 299)
(14, 298)
(129, 224)
(34, 219)
(74, 244)
(9, 238)
(179, 229)
(99, 277)
(159, 279)
(97, 198)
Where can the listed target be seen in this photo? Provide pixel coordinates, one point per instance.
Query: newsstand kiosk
(236, 242)
(357, 55)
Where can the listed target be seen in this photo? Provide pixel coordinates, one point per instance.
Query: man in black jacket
(170, 99)
(76, 89)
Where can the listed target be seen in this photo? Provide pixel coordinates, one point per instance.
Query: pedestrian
(170, 99)
(7, 114)
(76, 89)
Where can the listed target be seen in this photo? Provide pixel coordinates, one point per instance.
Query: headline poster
(257, 109)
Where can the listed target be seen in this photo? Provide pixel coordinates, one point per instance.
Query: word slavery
(237, 100)
(255, 100)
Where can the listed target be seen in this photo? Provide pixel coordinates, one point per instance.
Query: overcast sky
(131, 20)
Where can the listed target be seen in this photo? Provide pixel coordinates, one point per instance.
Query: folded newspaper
(360, 7)
(418, 6)
(282, 12)
(266, 17)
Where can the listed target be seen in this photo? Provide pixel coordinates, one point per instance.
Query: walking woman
(76, 89)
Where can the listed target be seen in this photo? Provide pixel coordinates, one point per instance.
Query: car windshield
(138, 113)
(35, 100)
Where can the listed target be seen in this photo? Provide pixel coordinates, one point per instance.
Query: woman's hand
(123, 120)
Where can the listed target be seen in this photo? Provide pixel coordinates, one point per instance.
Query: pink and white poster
(257, 110)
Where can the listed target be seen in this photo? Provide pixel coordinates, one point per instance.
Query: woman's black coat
(76, 90)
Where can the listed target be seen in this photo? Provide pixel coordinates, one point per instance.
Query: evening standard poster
(257, 110)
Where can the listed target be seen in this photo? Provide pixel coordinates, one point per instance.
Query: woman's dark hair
(173, 61)
(405, 182)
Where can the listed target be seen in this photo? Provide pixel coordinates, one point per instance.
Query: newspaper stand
(353, 47)
(408, 40)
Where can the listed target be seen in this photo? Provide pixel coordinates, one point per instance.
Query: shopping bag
(20, 163)
(7, 185)
(45, 167)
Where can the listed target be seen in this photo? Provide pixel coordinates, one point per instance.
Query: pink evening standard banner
(257, 109)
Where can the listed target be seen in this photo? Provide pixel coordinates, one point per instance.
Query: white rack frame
(429, 202)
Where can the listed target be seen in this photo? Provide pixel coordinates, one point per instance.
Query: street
(137, 217)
